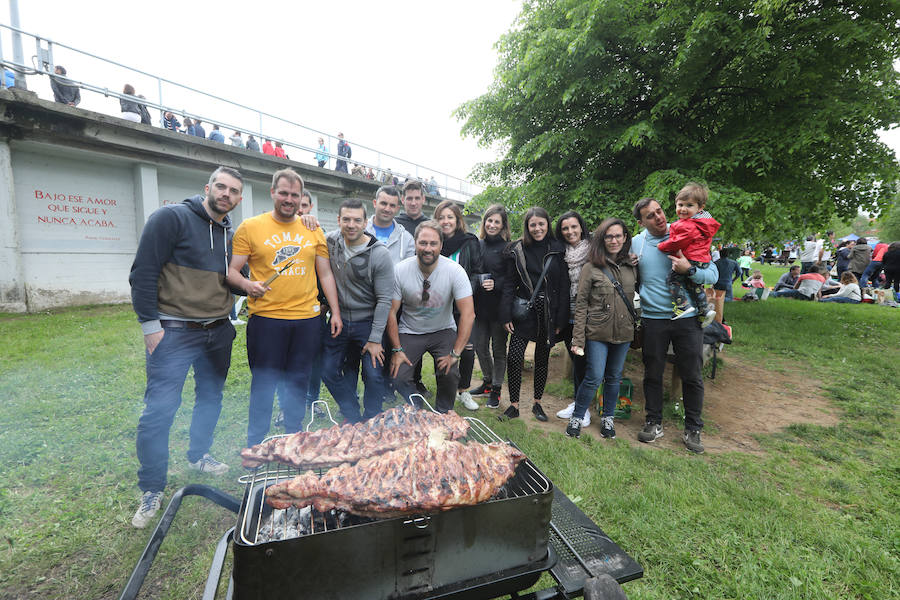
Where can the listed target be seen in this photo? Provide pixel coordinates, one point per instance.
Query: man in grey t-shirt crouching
(427, 285)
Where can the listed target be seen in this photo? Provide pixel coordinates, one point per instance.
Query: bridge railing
(299, 141)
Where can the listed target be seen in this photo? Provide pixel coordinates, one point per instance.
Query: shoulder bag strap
(618, 286)
(537, 288)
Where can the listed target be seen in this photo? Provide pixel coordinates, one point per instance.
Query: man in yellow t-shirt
(283, 330)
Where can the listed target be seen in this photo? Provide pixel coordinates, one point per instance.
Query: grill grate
(259, 523)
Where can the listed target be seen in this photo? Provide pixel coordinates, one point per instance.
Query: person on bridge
(321, 154)
(63, 92)
(283, 330)
(179, 293)
(344, 151)
(131, 110)
(216, 136)
(252, 144)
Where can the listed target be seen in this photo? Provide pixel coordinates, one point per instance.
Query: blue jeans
(873, 270)
(279, 349)
(605, 362)
(790, 294)
(841, 299)
(209, 352)
(315, 373)
(340, 368)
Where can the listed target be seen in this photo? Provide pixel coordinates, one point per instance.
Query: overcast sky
(387, 74)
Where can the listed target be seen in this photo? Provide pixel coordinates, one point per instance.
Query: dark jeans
(340, 366)
(605, 362)
(438, 344)
(340, 165)
(796, 294)
(805, 267)
(841, 299)
(892, 278)
(686, 337)
(682, 287)
(314, 388)
(209, 352)
(870, 275)
(579, 363)
(279, 349)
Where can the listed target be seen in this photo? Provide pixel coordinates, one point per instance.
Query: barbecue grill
(492, 549)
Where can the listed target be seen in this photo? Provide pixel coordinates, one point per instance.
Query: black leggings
(515, 360)
(892, 277)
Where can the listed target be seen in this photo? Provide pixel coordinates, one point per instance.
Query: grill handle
(162, 528)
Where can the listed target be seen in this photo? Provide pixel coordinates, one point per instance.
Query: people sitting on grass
(807, 287)
(755, 280)
(789, 279)
(848, 292)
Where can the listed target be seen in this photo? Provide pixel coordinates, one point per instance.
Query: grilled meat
(349, 443)
(429, 475)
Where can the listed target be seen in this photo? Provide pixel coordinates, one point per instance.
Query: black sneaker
(606, 428)
(538, 412)
(481, 390)
(421, 389)
(650, 433)
(510, 413)
(574, 427)
(494, 400)
(692, 441)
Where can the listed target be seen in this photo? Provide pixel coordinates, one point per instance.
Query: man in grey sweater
(364, 274)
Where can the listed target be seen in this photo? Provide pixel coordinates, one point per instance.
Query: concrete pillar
(12, 279)
(146, 194)
(245, 208)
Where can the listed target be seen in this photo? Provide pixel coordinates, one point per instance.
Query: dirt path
(744, 400)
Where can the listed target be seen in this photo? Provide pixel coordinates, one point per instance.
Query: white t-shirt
(447, 283)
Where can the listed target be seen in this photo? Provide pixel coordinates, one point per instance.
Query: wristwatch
(691, 271)
(454, 354)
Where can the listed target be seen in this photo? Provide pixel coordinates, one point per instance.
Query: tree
(773, 104)
(889, 224)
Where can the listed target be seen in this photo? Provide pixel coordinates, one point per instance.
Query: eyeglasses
(614, 237)
(425, 295)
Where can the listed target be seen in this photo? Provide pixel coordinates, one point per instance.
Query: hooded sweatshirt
(179, 269)
(365, 282)
(401, 243)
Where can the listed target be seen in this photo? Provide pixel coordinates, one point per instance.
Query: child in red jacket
(692, 233)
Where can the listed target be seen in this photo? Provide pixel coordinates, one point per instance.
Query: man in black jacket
(179, 293)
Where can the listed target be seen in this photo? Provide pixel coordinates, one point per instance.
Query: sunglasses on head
(425, 286)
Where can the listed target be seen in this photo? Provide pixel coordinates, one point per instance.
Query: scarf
(453, 243)
(576, 256)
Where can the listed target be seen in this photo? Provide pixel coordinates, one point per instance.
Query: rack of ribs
(429, 475)
(339, 444)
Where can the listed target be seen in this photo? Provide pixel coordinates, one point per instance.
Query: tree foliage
(774, 104)
(889, 223)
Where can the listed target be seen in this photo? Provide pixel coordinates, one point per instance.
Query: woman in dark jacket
(526, 258)
(131, 109)
(860, 257)
(489, 334)
(464, 249)
(604, 325)
(572, 230)
(891, 265)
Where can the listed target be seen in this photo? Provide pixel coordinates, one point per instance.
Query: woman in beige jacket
(604, 326)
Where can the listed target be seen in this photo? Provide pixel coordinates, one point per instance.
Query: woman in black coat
(464, 249)
(489, 333)
(544, 324)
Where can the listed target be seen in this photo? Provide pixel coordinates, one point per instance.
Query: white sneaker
(238, 322)
(586, 421)
(147, 509)
(710, 316)
(566, 413)
(207, 464)
(467, 401)
(690, 311)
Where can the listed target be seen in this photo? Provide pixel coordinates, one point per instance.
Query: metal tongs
(279, 272)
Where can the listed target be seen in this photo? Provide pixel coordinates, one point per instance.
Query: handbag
(522, 310)
(638, 339)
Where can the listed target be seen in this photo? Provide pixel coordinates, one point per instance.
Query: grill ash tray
(308, 554)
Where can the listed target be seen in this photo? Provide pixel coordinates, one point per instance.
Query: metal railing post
(18, 54)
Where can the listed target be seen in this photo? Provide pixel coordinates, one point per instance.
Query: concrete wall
(76, 188)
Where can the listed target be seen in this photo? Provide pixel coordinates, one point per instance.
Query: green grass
(816, 515)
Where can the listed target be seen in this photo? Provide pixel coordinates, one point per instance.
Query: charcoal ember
(429, 475)
(349, 443)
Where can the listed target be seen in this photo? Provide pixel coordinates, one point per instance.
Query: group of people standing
(379, 293)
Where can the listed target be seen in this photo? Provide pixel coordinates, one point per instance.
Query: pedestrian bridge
(76, 188)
